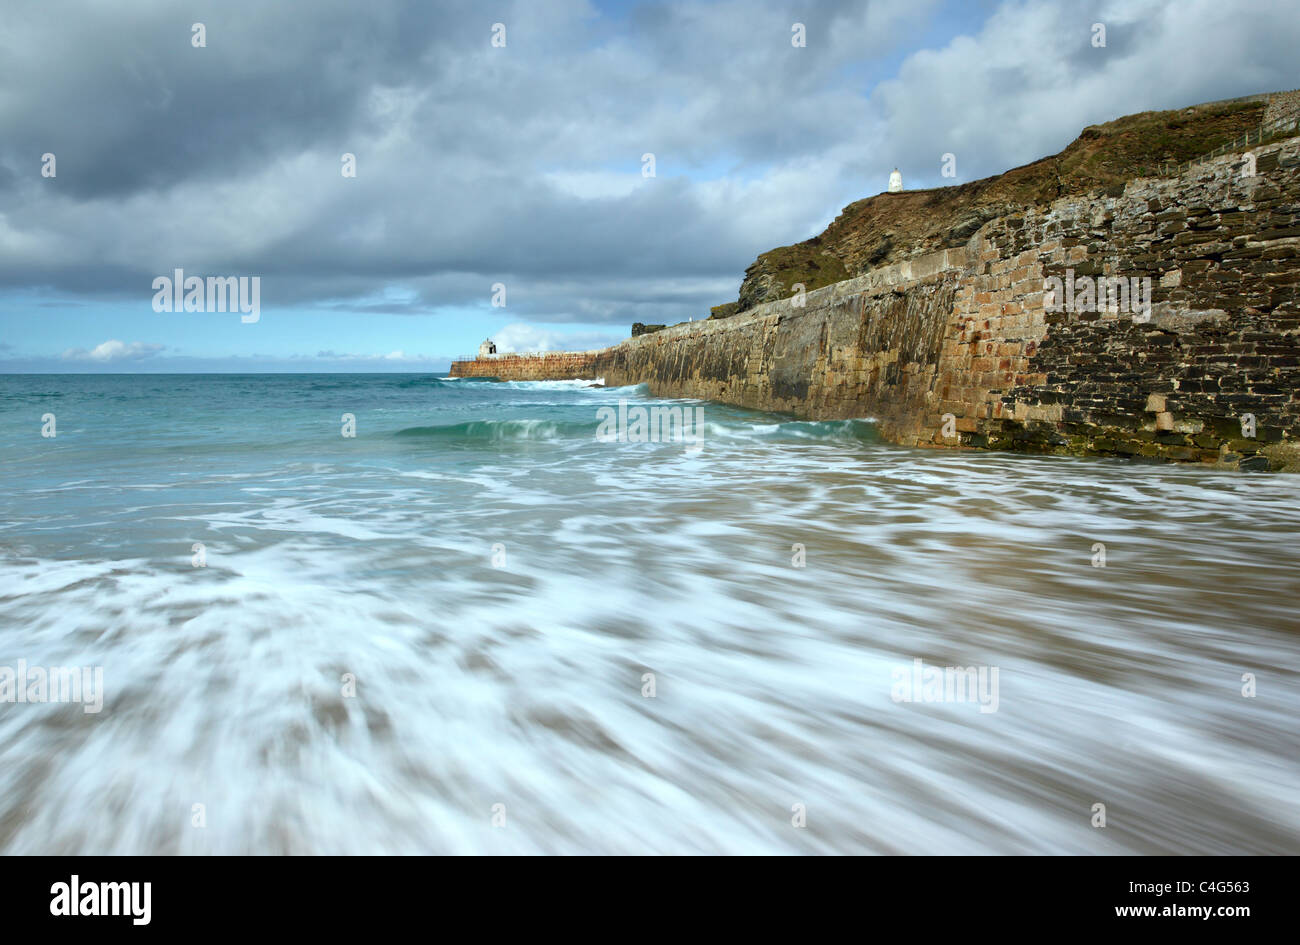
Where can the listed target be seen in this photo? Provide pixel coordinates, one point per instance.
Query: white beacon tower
(895, 182)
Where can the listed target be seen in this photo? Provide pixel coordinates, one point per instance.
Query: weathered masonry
(964, 348)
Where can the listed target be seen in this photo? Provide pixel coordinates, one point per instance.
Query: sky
(514, 172)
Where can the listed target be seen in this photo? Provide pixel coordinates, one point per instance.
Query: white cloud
(518, 338)
(1029, 80)
(113, 350)
(363, 358)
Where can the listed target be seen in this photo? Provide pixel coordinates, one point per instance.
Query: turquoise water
(453, 618)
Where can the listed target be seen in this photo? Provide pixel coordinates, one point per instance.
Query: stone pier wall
(546, 366)
(958, 348)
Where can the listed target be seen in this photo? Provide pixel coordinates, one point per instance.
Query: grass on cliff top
(1135, 145)
(807, 263)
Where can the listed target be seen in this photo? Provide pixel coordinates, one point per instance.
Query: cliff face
(889, 228)
(963, 347)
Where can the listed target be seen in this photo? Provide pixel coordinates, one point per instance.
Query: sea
(401, 613)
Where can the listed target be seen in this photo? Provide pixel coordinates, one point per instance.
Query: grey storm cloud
(523, 165)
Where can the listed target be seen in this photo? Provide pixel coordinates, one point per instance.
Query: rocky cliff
(889, 228)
